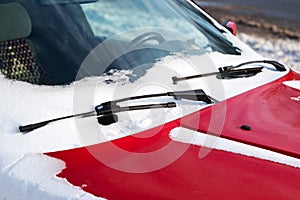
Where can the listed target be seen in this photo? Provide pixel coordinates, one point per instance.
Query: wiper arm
(233, 72)
(280, 67)
(105, 112)
(222, 74)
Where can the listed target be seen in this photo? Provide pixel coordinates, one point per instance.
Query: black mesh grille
(18, 62)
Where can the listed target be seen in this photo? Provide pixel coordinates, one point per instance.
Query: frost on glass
(111, 17)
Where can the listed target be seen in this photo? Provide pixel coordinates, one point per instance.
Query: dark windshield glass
(63, 33)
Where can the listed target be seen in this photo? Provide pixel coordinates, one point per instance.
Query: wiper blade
(105, 112)
(233, 72)
(107, 118)
(193, 95)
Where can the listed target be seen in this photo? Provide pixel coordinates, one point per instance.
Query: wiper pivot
(238, 73)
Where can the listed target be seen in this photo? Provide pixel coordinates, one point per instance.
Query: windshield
(58, 35)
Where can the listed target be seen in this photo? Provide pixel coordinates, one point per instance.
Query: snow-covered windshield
(59, 35)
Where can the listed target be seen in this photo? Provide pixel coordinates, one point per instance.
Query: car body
(61, 57)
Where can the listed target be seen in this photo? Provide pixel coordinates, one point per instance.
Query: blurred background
(272, 27)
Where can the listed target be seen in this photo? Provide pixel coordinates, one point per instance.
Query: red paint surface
(220, 175)
(269, 110)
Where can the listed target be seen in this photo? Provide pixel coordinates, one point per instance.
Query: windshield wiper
(105, 112)
(222, 74)
(233, 72)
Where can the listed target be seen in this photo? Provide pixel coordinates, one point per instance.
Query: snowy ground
(263, 26)
(284, 50)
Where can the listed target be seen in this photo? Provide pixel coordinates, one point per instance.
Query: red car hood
(119, 169)
(270, 111)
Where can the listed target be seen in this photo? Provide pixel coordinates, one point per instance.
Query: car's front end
(232, 133)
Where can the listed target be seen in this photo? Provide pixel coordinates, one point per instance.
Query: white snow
(209, 141)
(32, 179)
(293, 84)
(24, 171)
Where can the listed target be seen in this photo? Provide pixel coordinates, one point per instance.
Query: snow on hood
(23, 103)
(293, 84)
(213, 142)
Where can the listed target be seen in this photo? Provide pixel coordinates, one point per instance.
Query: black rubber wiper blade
(107, 117)
(233, 72)
(105, 112)
(192, 95)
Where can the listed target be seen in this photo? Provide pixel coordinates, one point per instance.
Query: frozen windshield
(58, 35)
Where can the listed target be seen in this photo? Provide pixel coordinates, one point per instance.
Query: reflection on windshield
(112, 17)
(73, 29)
(118, 16)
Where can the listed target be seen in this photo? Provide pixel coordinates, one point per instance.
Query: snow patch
(31, 178)
(201, 139)
(293, 84)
